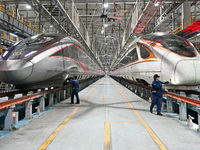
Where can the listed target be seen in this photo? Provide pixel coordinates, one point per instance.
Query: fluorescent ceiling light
(13, 34)
(105, 25)
(105, 5)
(51, 26)
(156, 4)
(28, 6)
(35, 36)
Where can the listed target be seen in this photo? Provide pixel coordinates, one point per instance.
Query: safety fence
(145, 93)
(43, 98)
(185, 24)
(20, 19)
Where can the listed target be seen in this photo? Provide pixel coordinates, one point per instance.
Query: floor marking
(54, 134)
(107, 132)
(107, 136)
(122, 122)
(104, 98)
(149, 130)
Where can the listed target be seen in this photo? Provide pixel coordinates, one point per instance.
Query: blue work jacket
(75, 85)
(157, 85)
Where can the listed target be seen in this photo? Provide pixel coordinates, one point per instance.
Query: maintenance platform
(109, 117)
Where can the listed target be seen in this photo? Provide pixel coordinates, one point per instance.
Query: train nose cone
(14, 71)
(187, 72)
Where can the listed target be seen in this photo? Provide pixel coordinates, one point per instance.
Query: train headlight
(5, 53)
(158, 44)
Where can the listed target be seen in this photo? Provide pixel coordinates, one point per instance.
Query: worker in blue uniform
(75, 89)
(157, 94)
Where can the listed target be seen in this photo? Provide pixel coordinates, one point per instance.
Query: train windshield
(177, 45)
(28, 46)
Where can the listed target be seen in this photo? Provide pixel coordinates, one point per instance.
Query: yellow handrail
(185, 24)
(21, 20)
(2, 49)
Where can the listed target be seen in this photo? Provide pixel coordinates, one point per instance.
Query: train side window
(133, 55)
(67, 51)
(144, 52)
(74, 52)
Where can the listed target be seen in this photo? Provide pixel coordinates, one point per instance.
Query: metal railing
(145, 93)
(53, 96)
(13, 15)
(185, 24)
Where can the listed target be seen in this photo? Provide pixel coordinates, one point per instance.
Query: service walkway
(109, 117)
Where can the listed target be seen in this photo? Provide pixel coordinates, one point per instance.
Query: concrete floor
(103, 121)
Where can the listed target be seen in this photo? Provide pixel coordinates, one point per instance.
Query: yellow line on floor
(54, 134)
(107, 132)
(149, 130)
(122, 122)
(104, 98)
(107, 136)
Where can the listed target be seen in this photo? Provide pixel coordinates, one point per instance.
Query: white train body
(157, 54)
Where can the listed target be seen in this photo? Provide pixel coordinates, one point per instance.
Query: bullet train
(46, 60)
(172, 57)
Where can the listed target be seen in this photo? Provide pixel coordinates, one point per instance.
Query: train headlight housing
(5, 53)
(158, 43)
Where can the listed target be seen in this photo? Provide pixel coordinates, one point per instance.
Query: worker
(75, 88)
(157, 94)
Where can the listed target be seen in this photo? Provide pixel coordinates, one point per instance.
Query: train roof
(56, 35)
(151, 36)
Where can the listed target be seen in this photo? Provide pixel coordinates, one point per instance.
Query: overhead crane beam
(166, 14)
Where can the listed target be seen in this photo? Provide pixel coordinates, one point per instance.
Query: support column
(28, 109)
(1, 34)
(39, 19)
(51, 99)
(86, 15)
(42, 103)
(149, 95)
(183, 111)
(162, 24)
(58, 96)
(8, 122)
(63, 94)
(125, 14)
(92, 37)
(16, 11)
(169, 105)
(198, 108)
(173, 21)
(185, 12)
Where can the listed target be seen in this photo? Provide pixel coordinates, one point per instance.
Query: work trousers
(74, 92)
(156, 100)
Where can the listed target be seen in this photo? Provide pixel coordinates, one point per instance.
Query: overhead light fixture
(28, 6)
(198, 34)
(105, 25)
(13, 34)
(51, 26)
(156, 4)
(105, 5)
